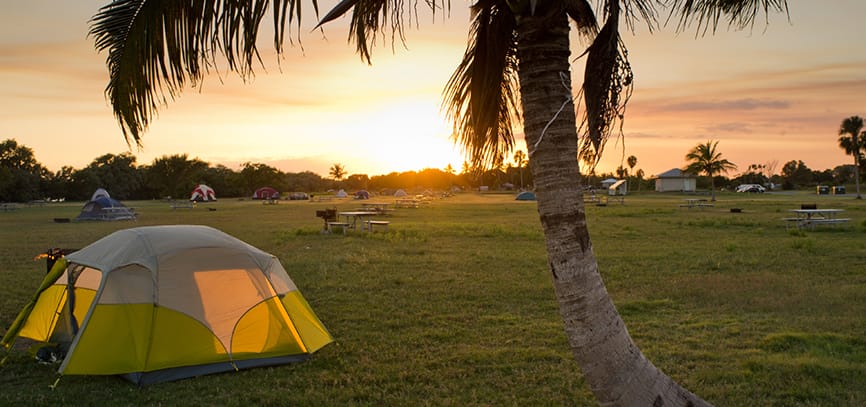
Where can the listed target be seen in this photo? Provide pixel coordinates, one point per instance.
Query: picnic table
(407, 203)
(696, 203)
(182, 204)
(809, 218)
(119, 213)
(381, 208)
(352, 218)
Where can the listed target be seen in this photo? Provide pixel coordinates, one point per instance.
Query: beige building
(676, 180)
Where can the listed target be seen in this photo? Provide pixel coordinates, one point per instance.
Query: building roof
(676, 173)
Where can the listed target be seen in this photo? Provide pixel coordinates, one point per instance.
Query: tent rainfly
(162, 303)
(203, 193)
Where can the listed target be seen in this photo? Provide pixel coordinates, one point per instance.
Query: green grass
(453, 305)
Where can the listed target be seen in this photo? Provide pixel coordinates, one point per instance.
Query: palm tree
(337, 172)
(156, 48)
(519, 161)
(705, 159)
(631, 161)
(853, 140)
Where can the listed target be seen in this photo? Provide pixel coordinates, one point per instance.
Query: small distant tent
(362, 194)
(203, 193)
(162, 303)
(341, 194)
(266, 193)
(102, 206)
(618, 188)
(400, 192)
(526, 196)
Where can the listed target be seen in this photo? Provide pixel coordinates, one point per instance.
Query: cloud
(728, 128)
(728, 105)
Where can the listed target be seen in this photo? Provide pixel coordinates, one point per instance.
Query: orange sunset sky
(777, 92)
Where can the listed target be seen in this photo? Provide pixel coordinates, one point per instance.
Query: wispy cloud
(727, 105)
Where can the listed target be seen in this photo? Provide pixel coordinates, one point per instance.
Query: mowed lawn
(453, 305)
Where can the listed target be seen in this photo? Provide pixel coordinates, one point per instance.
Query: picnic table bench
(342, 225)
(370, 223)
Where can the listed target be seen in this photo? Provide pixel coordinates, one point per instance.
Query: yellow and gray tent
(162, 303)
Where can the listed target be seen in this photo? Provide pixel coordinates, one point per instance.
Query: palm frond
(607, 86)
(481, 96)
(580, 11)
(156, 47)
(708, 14)
(372, 17)
(637, 10)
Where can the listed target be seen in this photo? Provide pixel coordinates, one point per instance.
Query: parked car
(751, 188)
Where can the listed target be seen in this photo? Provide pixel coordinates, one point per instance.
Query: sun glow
(405, 135)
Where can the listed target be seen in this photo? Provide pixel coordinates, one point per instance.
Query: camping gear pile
(162, 303)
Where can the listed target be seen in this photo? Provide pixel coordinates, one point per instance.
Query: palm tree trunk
(712, 187)
(612, 365)
(857, 173)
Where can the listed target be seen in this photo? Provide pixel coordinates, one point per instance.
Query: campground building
(675, 180)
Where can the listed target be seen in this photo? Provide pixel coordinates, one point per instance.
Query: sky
(770, 94)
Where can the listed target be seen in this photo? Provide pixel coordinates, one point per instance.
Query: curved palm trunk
(612, 365)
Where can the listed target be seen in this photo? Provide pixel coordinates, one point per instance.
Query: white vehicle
(751, 188)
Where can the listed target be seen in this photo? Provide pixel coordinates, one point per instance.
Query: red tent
(203, 193)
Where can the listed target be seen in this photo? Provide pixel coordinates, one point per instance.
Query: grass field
(453, 306)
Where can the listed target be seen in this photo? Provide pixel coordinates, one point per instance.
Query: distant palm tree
(705, 159)
(853, 140)
(337, 172)
(157, 47)
(631, 161)
(519, 161)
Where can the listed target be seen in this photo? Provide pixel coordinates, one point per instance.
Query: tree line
(23, 178)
